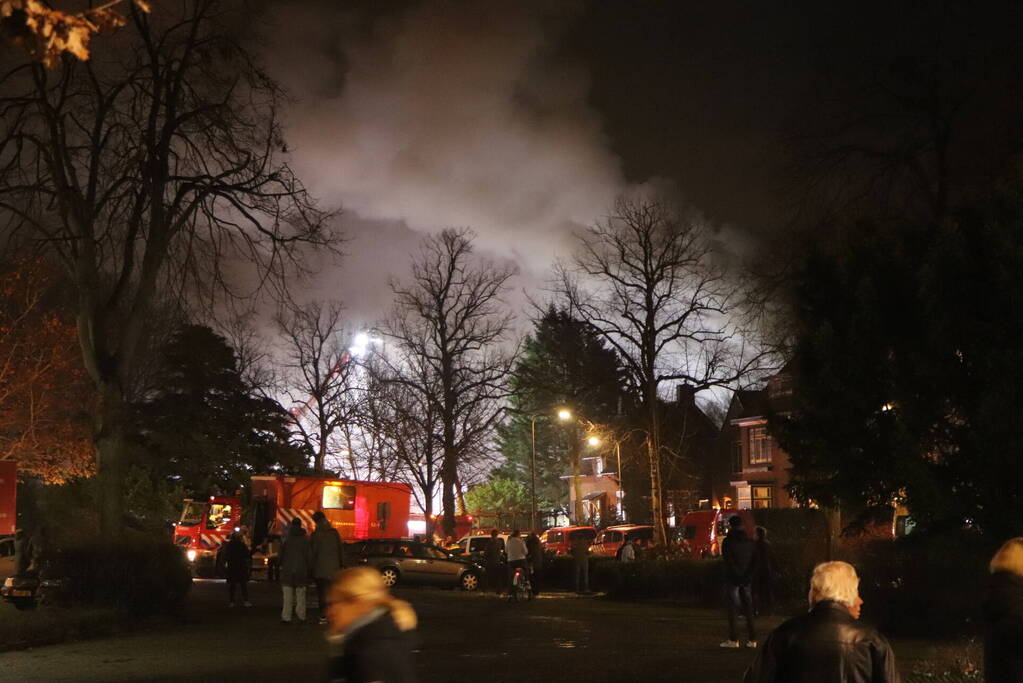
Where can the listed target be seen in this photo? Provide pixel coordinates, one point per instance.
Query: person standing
(628, 553)
(371, 634)
(328, 558)
(737, 551)
(239, 562)
(1003, 615)
(535, 556)
(296, 565)
(581, 563)
(515, 550)
(827, 644)
(493, 563)
(764, 570)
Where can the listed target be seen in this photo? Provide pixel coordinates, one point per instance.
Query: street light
(595, 441)
(564, 414)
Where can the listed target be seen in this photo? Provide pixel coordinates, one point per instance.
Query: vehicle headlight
(191, 555)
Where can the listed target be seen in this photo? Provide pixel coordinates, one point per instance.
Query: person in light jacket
(371, 634)
(296, 566)
(1003, 615)
(328, 558)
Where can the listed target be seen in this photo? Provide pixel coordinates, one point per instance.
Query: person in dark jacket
(580, 550)
(493, 560)
(1003, 615)
(238, 559)
(827, 644)
(738, 552)
(765, 568)
(535, 555)
(22, 552)
(371, 634)
(296, 567)
(328, 558)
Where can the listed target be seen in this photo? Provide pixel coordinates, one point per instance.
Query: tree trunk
(653, 444)
(447, 476)
(110, 436)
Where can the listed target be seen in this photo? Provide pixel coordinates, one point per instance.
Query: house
(688, 442)
(751, 470)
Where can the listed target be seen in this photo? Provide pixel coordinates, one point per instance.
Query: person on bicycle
(515, 549)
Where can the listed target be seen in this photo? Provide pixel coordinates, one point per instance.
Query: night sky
(524, 120)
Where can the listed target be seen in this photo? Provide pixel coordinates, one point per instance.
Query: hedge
(140, 574)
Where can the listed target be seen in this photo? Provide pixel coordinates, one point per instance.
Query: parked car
(413, 562)
(558, 541)
(475, 545)
(703, 530)
(609, 542)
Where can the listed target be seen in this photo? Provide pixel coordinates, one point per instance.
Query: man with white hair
(827, 644)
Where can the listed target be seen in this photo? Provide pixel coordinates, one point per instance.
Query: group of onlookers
(370, 633)
(302, 556)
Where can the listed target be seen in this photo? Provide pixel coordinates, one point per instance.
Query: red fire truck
(357, 509)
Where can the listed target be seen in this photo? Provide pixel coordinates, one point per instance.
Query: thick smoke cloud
(446, 114)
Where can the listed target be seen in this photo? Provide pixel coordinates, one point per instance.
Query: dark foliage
(906, 362)
(203, 429)
(141, 574)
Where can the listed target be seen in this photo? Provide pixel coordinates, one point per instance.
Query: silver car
(401, 561)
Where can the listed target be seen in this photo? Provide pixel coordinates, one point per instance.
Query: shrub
(141, 574)
(928, 585)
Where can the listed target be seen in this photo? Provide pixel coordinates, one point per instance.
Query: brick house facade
(752, 470)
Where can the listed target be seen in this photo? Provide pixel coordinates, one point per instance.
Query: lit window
(338, 497)
(761, 496)
(759, 446)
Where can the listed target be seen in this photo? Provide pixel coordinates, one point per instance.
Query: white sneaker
(751, 643)
(730, 643)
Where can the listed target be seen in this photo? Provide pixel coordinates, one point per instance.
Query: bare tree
(320, 376)
(403, 419)
(646, 281)
(450, 319)
(146, 170)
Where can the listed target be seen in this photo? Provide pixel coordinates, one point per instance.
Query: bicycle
(521, 586)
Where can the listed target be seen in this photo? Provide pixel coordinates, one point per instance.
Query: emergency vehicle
(357, 509)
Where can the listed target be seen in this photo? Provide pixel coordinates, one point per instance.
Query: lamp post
(595, 441)
(563, 415)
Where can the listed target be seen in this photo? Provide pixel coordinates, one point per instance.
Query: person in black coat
(827, 644)
(1003, 615)
(738, 553)
(238, 559)
(765, 568)
(371, 634)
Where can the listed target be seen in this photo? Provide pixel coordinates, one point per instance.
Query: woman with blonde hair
(371, 633)
(1003, 611)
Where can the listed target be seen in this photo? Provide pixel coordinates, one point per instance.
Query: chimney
(684, 394)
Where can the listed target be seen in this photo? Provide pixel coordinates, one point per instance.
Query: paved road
(465, 637)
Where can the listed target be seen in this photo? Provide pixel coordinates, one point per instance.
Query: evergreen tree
(563, 364)
(202, 428)
(907, 367)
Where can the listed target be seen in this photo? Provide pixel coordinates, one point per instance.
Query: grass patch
(48, 625)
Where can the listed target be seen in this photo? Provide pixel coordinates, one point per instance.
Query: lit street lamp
(563, 415)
